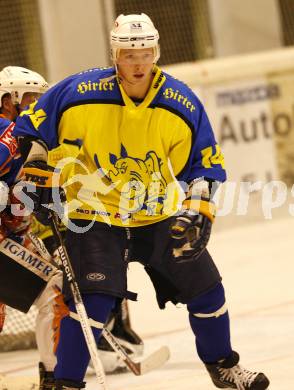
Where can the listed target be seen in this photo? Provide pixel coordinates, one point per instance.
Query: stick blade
(155, 360)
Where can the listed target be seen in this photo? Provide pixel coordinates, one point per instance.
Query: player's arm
(36, 131)
(191, 228)
(10, 223)
(37, 175)
(205, 155)
(8, 146)
(202, 174)
(40, 120)
(40, 181)
(5, 159)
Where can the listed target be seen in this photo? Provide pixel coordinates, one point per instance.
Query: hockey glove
(14, 219)
(191, 228)
(39, 192)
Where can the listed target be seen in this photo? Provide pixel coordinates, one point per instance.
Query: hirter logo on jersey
(8, 140)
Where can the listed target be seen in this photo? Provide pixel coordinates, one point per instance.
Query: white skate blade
(155, 360)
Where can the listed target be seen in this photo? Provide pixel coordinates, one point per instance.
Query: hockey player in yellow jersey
(144, 134)
(18, 88)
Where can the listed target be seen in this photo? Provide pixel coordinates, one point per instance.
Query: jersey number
(209, 159)
(36, 117)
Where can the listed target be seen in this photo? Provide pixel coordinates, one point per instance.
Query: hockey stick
(83, 318)
(155, 360)
(39, 246)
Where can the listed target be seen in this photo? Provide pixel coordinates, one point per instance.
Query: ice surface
(257, 265)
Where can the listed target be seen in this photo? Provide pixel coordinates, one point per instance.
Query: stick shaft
(80, 307)
(133, 366)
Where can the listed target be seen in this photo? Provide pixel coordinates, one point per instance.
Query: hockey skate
(227, 374)
(47, 381)
(120, 327)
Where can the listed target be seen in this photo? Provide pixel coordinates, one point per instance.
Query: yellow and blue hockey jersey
(132, 155)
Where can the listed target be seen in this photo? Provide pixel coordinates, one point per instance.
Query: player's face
(28, 98)
(8, 108)
(135, 65)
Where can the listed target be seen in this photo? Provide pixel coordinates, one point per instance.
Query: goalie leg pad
(51, 309)
(23, 275)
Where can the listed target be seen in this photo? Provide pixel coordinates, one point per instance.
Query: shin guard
(209, 320)
(72, 351)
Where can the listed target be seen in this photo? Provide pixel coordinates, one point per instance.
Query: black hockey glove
(192, 227)
(39, 191)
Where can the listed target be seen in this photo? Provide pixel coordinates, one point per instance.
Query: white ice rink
(256, 262)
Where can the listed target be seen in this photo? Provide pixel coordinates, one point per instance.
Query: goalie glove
(38, 190)
(14, 219)
(191, 228)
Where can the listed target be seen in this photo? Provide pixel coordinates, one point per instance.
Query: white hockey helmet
(134, 32)
(16, 81)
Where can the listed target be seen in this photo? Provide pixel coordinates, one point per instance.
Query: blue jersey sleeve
(5, 159)
(206, 159)
(5, 144)
(10, 162)
(8, 146)
(42, 117)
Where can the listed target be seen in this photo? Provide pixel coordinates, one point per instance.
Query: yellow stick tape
(202, 207)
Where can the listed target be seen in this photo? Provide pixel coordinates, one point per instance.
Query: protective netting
(19, 330)
(20, 38)
(183, 25)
